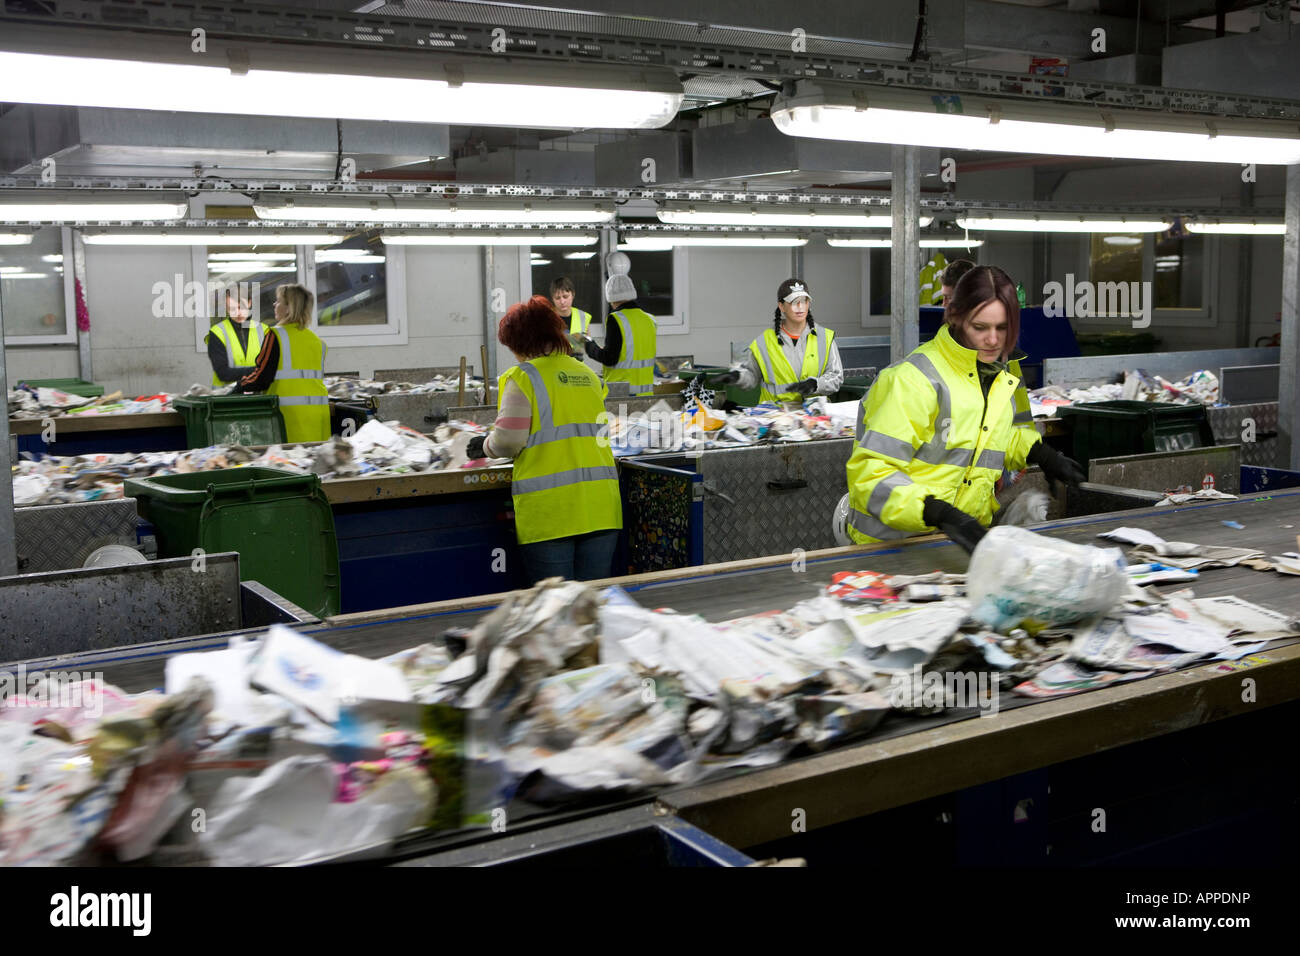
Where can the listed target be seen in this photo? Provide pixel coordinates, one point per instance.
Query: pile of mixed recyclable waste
(292, 751)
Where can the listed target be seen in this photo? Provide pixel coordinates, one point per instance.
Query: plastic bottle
(1020, 294)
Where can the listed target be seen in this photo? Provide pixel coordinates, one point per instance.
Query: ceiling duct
(94, 142)
(756, 152)
(1264, 63)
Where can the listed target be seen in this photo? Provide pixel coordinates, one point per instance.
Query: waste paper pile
(360, 390)
(1200, 387)
(292, 751)
(26, 401)
(376, 449)
(698, 426)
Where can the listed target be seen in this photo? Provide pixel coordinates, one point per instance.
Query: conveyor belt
(1271, 522)
(926, 756)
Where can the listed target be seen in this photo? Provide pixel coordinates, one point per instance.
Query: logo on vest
(564, 379)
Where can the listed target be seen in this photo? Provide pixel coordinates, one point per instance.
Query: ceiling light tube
(330, 255)
(578, 255)
(251, 256)
(15, 238)
(963, 121)
(832, 218)
(486, 239)
(84, 211)
(888, 243)
(249, 268)
(1219, 228)
(483, 215)
(60, 67)
(260, 237)
(1062, 224)
(652, 242)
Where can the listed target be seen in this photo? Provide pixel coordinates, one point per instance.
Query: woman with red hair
(567, 507)
(940, 426)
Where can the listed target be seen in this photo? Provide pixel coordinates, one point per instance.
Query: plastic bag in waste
(1019, 578)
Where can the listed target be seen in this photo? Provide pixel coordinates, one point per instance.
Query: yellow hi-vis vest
(774, 367)
(578, 321)
(299, 384)
(636, 359)
(565, 482)
(235, 356)
(928, 430)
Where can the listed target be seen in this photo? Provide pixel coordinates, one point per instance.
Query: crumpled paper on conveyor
(377, 449)
(363, 389)
(28, 402)
(1200, 387)
(698, 426)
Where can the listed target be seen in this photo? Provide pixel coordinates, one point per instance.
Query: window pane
(351, 282)
(1115, 258)
(252, 273)
(1179, 267)
(652, 274)
(31, 285)
(878, 270)
(583, 270)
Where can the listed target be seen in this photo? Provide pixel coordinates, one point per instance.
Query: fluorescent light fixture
(250, 256)
(342, 255)
(1217, 227)
(578, 255)
(1063, 224)
(788, 218)
(927, 118)
(6, 277)
(15, 238)
(888, 243)
(249, 267)
(653, 243)
(43, 65)
(198, 238)
(90, 211)
(1122, 240)
(7, 270)
(52, 257)
(487, 239)
(483, 215)
(540, 262)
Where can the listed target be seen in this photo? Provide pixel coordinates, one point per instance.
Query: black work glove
(963, 530)
(592, 349)
(806, 387)
(475, 447)
(722, 378)
(1056, 467)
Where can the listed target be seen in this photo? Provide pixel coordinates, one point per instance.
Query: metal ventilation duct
(145, 143)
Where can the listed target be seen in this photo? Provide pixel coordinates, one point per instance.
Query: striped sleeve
(514, 419)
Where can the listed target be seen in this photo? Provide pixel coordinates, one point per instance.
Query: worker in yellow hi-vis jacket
(939, 427)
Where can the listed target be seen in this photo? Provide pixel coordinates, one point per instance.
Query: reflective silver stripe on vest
(774, 388)
(304, 399)
(1022, 418)
(884, 488)
(547, 430)
(299, 373)
(873, 527)
(561, 479)
(629, 346)
(991, 459)
(883, 444)
(936, 451)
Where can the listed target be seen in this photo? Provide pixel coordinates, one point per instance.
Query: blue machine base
(1254, 479)
(412, 551)
(109, 442)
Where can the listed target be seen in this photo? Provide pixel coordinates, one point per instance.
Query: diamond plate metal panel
(755, 505)
(1237, 424)
(60, 537)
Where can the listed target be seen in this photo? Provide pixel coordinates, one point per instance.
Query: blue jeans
(582, 557)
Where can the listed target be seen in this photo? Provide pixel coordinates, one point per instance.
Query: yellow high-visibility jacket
(777, 375)
(928, 429)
